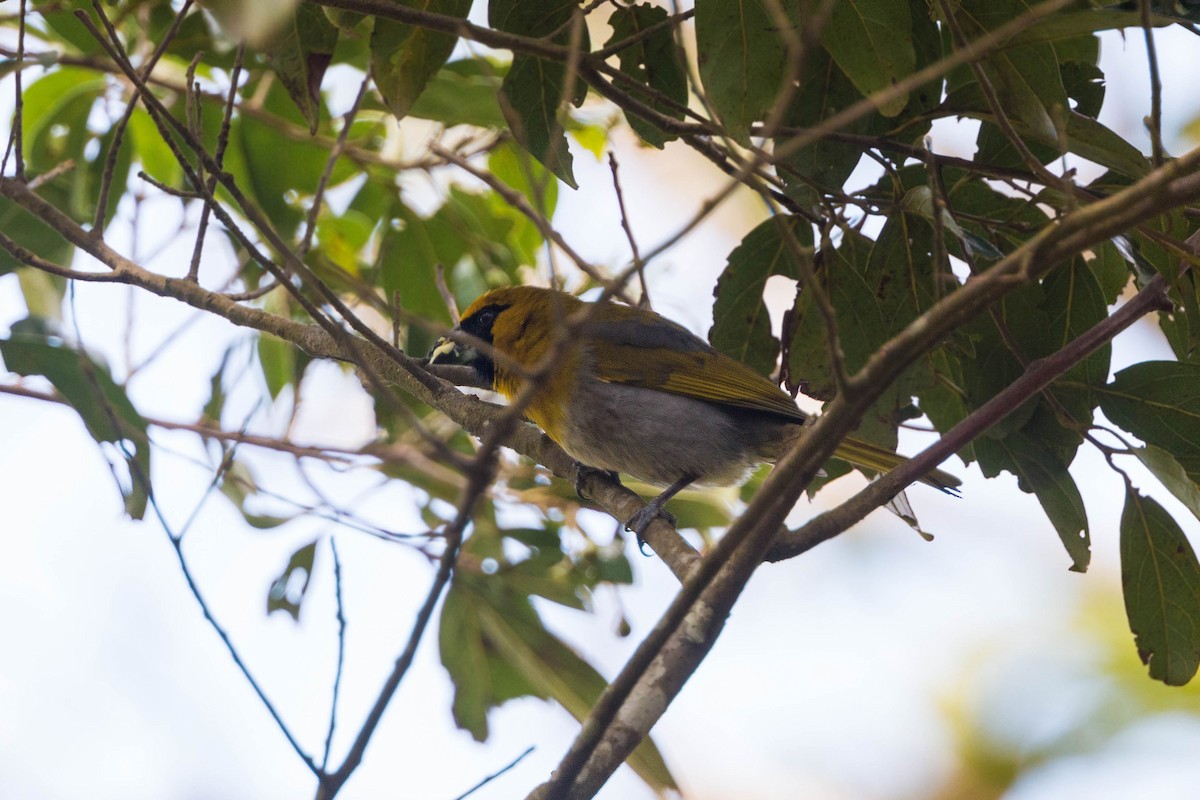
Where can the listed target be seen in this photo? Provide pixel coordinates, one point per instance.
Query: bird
(626, 390)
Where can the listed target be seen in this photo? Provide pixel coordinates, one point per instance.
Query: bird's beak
(448, 351)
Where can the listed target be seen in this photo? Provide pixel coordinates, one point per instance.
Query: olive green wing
(642, 349)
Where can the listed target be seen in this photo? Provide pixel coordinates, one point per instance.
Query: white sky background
(829, 681)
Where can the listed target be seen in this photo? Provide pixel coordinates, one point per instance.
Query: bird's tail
(862, 454)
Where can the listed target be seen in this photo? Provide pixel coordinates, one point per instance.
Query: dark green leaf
(530, 98)
(1159, 402)
(826, 164)
(1171, 475)
(1161, 582)
(534, 89)
(1039, 471)
(288, 590)
(300, 53)
(89, 388)
(871, 40)
(741, 327)
(742, 60)
(405, 57)
(655, 61)
(1111, 271)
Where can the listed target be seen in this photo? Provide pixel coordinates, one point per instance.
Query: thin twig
(1154, 123)
(638, 265)
(193, 273)
(110, 160)
(310, 225)
(341, 653)
(495, 774)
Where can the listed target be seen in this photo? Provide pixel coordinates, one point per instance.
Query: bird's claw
(640, 521)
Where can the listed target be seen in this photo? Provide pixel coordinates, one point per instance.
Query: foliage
(329, 224)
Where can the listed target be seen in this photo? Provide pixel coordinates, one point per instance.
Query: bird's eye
(486, 318)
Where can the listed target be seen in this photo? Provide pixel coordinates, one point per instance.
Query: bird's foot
(640, 521)
(583, 472)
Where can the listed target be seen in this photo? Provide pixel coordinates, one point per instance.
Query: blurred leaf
(409, 258)
(1161, 581)
(300, 53)
(592, 137)
(43, 104)
(741, 327)
(1159, 402)
(288, 590)
(463, 93)
(495, 647)
(276, 171)
(258, 23)
(152, 152)
(655, 61)
(239, 486)
(871, 41)
(527, 176)
(43, 293)
(88, 387)
(32, 234)
(739, 51)
(404, 57)
(278, 361)
(1171, 475)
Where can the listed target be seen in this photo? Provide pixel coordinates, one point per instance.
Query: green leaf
(741, 326)
(239, 486)
(1111, 271)
(741, 56)
(152, 152)
(463, 93)
(495, 647)
(528, 177)
(1039, 471)
(276, 172)
(89, 388)
(1159, 402)
(871, 40)
(1026, 78)
(655, 61)
(534, 89)
(44, 102)
(1171, 475)
(409, 259)
(825, 164)
(530, 98)
(840, 273)
(278, 361)
(404, 57)
(1161, 582)
(299, 54)
(288, 590)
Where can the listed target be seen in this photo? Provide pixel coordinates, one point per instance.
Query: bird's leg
(641, 520)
